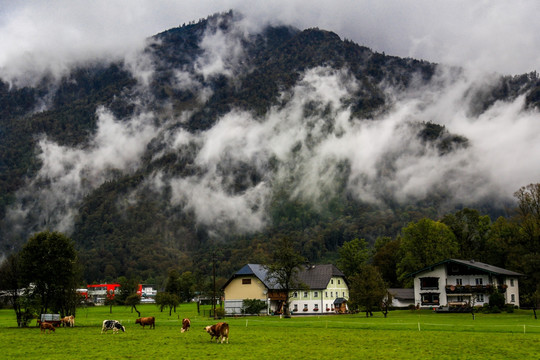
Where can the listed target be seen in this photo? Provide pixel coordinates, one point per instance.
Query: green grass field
(403, 335)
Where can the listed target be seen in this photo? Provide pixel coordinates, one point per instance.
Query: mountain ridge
(191, 184)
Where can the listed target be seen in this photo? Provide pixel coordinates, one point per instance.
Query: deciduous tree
(284, 269)
(424, 243)
(10, 284)
(471, 231)
(352, 256)
(50, 272)
(367, 289)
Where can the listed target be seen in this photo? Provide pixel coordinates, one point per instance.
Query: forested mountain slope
(217, 134)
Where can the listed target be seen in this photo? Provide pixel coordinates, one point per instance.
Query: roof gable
(490, 269)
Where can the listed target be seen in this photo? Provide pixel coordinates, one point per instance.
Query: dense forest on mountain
(123, 225)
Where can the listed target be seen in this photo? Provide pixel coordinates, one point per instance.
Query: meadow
(403, 334)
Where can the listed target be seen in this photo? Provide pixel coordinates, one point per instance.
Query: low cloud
(38, 38)
(68, 174)
(310, 143)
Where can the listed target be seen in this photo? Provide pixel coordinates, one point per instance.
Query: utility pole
(214, 283)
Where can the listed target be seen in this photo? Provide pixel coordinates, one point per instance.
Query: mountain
(218, 137)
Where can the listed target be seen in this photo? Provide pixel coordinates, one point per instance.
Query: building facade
(461, 283)
(325, 292)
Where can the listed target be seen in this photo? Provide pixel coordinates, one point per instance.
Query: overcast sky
(494, 35)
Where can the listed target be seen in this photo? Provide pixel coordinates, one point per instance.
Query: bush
(509, 308)
(253, 306)
(496, 300)
(220, 313)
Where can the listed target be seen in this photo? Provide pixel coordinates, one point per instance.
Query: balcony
(474, 289)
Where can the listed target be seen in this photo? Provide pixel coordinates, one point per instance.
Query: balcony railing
(471, 289)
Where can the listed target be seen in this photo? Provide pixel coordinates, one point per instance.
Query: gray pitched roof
(486, 267)
(314, 276)
(402, 294)
(318, 276)
(472, 264)
(259, 271)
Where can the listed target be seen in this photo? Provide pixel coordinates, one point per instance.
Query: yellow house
(326, 290)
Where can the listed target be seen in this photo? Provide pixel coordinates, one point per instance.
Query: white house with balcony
(463, 283)
(326, 290)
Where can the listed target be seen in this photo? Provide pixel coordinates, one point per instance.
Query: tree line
(44, 275)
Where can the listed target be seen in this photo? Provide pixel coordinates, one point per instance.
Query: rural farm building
(402, 298)
(97, 293)
(462, 283)
(326, 290)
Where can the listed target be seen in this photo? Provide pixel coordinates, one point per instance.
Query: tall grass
(403, 335)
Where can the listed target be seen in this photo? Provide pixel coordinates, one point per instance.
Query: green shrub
(253, 306)
(509, 308)
(496, 300)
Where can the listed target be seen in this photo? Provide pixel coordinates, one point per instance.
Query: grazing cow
(113, 325)
(218, 330)
(151, 321)
(68, 321)
(44, 326)
(186, 323)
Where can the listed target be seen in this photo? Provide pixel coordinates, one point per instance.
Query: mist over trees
(218, 138)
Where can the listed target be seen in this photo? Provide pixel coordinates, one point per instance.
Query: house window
(305, 293)
(305, 307)
(316, 294)
(339, 281)
(459, 281)
(344, 294)
(478, 281)
(480, 298)
(511, 282)
(295, 294)
(295, 307)
(513, 298)
(316, 307)
(246, 281)
(430, 299)
(331, 294)
(331, 281)
(429, 283)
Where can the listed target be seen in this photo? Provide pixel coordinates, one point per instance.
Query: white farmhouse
(462, 283)
(326, 290)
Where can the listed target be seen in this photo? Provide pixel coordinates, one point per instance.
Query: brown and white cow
(218, 330)
(68, 321)
(151, 321)
(186, 323)
(44, 326)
